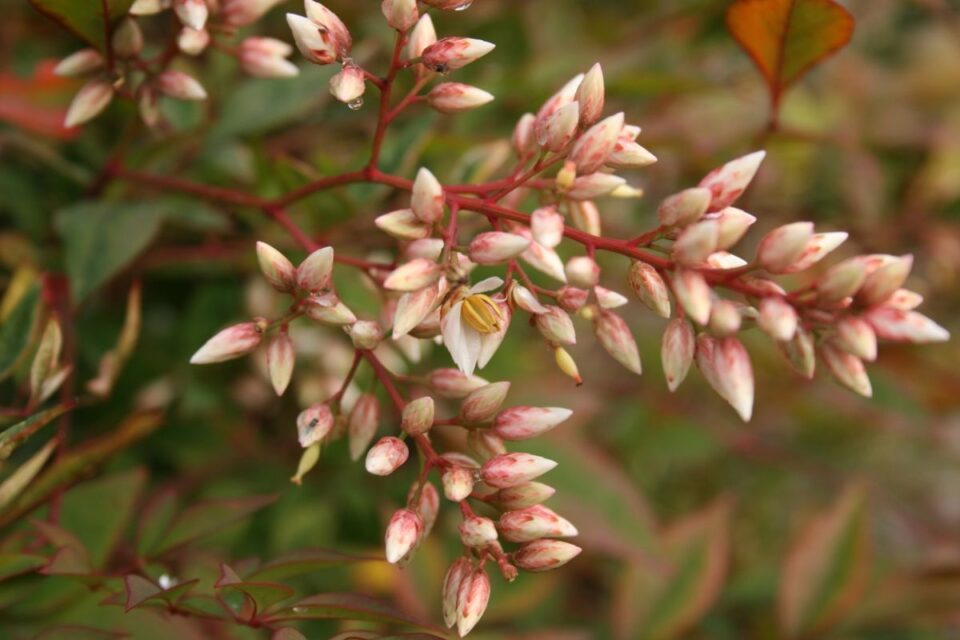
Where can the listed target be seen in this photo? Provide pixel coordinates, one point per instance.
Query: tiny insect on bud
(453, 383)
(557, 130)
(414, 275)
(477, 532)
(567, 364)
(241, 13)
(524, 140)
(800, 352)
(403, 224)
(230, 343)
(543, 555)
(276, 268)
(89, 102)
(512, 469)
(280, 361)
(427, 505)
(314, 424)
(649, 286)
(386, 456)
(778, 318)
(725, 318)
(783, 246)
(614, 335)
(362, 424)
(365, 334)
(728, 182)
(451, 588)
(847, 369)
(546, 226)
(403, 532)
(693, 294)
(457, 483)
(179, 85)
(592, 148)
(684, 208)
(192, 13)
(472, 599)
(423, 35)
(127, 39)
(594, 186)
(400, 14)
(523, 423)
(79, 63)
(726, 366)
(523, 495)
(884, 281)
(449, 54)
(193, 42)
(454, 97)
(696, 242)
(590, 95)
(676, 351)
(417, 416)
(482, 405)
(533, 523)
(582, 271)
(496, 247)
(308, 460)
(348, 85)
(556, 326)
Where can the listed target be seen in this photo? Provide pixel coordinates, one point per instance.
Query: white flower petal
(488, 284)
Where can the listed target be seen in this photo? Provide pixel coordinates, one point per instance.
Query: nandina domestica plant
(461, 274)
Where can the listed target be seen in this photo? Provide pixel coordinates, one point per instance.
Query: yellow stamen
(482, 313)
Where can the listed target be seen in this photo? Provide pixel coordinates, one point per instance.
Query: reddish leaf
(140, 592)
(38, 104)
(786, 38)
(14, 564)
(89, 19)
(210, 517)
(302, 562)
(347, 606)
(263, 595)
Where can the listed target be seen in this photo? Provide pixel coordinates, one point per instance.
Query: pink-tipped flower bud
(543, 258)
(533, 523)
(403, 224)
(79, 63)
(726, 366)
(684, 208)
(365, 334)
(526, 300)
(801, 353)
(783, 246)
(403, 532)
(314, 424)
(817, 248)
(582, 271)
(449, 54)
(457, 483)
(496, 247)
(241, 13)
(556, 326)
(594, 185)
(727, 183)
(127, 38)
(676, 351)
(193, 42)
(427, 506)
(348, 85)
(316, 44)
(485, 444)
(472, 599)
(280, 360)
(230, 343)
(362, 424)
(276, 268)
(460, 569)
(564, 96)
(725, 318)
(314, 272)
(386, 456)
(511, 469)
(453, 383)
(524, 138)
(417, 416)
(733, 224)
(148, 7)
(614, 335)
(847, 368)
(327, 309)
(842, 280)
(592, 148)
(546, 225)
(482, 405)
(453, 97)
(423, 35)
(523, 423)
(543, 555)
(649, 286)
(427, 197)
(89, 102)
(884, 281)
(414, 275)
(695, 243)
(609, 299)
(628, 154)
(267, 58)
(856, 335)
(331, 25)
(414, 307)
(778, 318)
(400, 14)
(192, 13)
(590, 95)
(904, 325)
(179, 85)
(523, 495)
(557, 130)
(693, 293)
(477, 532)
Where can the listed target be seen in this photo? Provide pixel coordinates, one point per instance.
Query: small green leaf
(16, 329)
(263, 595)
(11, 438)
(347, 606)
(14, 564)
(142, 592)
(85, 18)
(303, 562)
(210, 517)
(19, 479)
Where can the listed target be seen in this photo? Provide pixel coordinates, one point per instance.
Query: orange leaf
(37, 104)
(786, 38)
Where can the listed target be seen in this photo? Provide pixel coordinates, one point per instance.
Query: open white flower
(474, 324)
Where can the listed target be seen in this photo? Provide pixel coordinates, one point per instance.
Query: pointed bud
(327, 309)
(564, 96)
(193, 42)
(546, 260)
(533, 523)
(386, 456)
(79, 63)
(556, 326)
(904, 300)
(842, 280)
(524, 139)
(901, 325)
(314, 424)
(280, 360)
(453, 383)
(482, 405)
(693, 294)
(627, 154)
(314, 272)
(423, 35)
(592, 148)
(650, 288)
(615, 336)
(855, 335)
(884, 281)
(523, 423)
(403, 532)
(413, 308)
(485, 444)
(847, 368)
(728, 182)
(414, 275)
(608, 299)
(783, 246)
(417, 416)
(365, 334)
(230, 343)
(496, 247)
(725, 318)
(148, 107)
(430, 248)
(454, 97)
(733, 224)
(472, 599)
(526, 300)
(89, 102)
(331, 24)
(543, 555)
(308, 460)
(403, 224)
(511, 469)
(460, 569)
(567, 364)
(594, 185)
(348, 85)
(127, 39)
(590, 95)
(276, 268)
(179, 85)
(316, 44)
(572, 299)
(457, 483)
(362, 424)
(148, 7)
(557, 130)
(697, 242)
(684, 207)
(400, 14)
(427, 199)
(449, 54)
(523, 495)
(778, 318)
(546, 225)
(192, 13)
(477, 532)
(819, 246)
(241, 13)
(726, 366)
(427, 506)
(800, 352)
(676, 351)
(582, 271)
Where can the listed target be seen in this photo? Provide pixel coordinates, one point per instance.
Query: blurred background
(686, 514)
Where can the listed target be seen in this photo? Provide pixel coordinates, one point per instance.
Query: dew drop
(165, 581)
(355, 104)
